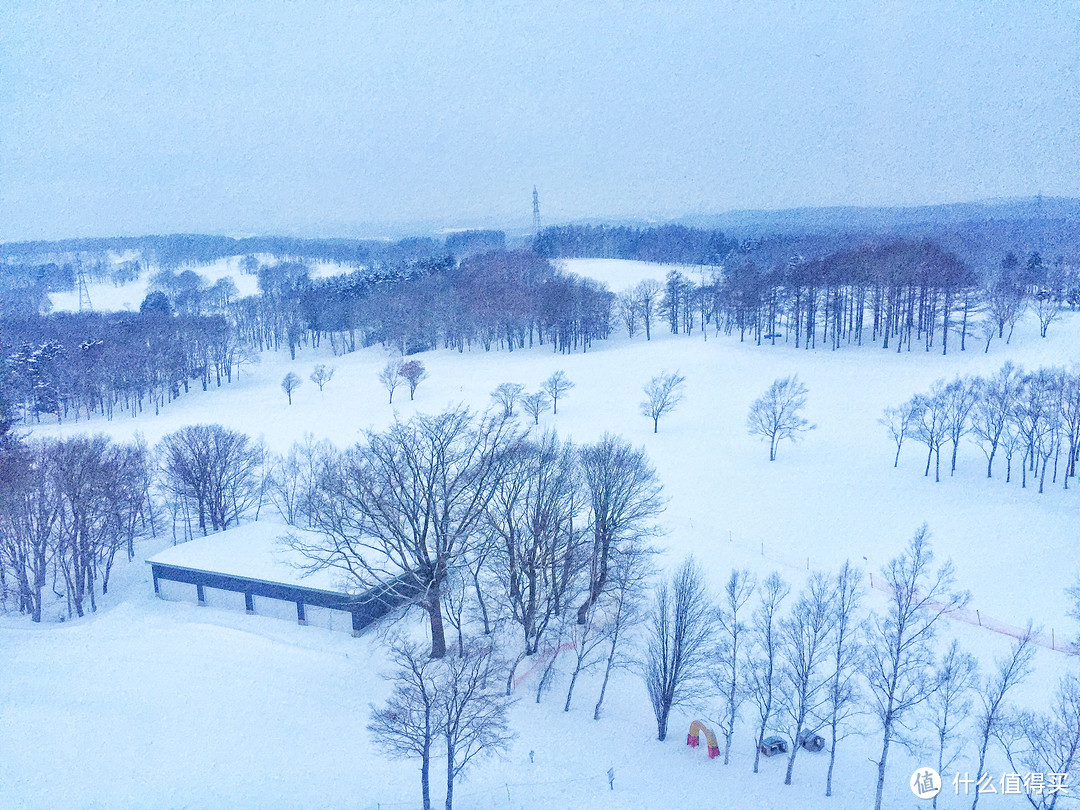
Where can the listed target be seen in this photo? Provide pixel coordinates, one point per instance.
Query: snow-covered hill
(172, 705)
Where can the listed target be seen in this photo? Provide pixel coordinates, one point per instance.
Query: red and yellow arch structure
(693, 737)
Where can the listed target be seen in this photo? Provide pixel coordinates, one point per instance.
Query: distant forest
(468, 291)
(666, 244)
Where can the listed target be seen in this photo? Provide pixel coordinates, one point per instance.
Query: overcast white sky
(365, 118)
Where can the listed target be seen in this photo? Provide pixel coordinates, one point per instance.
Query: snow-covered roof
(257, 551)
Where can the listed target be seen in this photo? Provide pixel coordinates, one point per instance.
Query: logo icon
(925, 783)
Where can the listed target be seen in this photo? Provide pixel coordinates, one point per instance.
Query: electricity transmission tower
(536, 212)
(84, 292)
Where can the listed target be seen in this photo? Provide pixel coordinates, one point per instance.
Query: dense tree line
(70, 366)
(901, 294)
(55, 261)
(494, 300)
(666, 244)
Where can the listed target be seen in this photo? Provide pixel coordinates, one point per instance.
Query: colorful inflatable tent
(697, 728)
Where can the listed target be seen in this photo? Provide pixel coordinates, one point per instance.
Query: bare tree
(539, 550)
(414, 373)
(588, 646)
(624, 500)
(776, 414)
(763, 652)
(931, 427)
(899, 421)
(1047, 743)
(950, 703)
(628, 306)
(412, 719)
(214, 470)
(680, 630)
(290, 383)
(409, 503)
(321, 375)
(728, 676)
(1012, 439)
(1037, 418)
(626, 594)
(391, 378)
(535, 404)
(662, 393)
(900, 652)
(31, 512)
(961, 395)
(455, 596)
(507, 395)
(1047, 309)
(803, 650)
(294, 479)
(993, 410)
(473, 711)
(647, 293)
(557, 385)
(1070, 418)
(992, 696)
(988, 329)
(845, 653)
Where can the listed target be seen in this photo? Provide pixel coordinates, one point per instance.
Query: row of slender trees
(903, 294)
(1032, 417)
(819, 663)
(67, 508)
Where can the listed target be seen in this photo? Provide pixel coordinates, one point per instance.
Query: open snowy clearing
(619, 274)
(202, 707)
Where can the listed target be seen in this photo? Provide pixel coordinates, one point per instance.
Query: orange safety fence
(977, 618)
(542, 659)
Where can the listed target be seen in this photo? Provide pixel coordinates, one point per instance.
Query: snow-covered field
(619, 274)
(152, 703)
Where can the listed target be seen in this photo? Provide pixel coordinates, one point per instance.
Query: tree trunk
(449, 776)
(662, 721)
(832, 764)
(425, 778)
(607, 675)
(438, 635)
(881, 770)
(791, 759)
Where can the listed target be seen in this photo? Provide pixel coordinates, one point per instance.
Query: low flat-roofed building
(254, 561)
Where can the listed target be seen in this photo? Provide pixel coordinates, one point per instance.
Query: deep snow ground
(163, 703)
